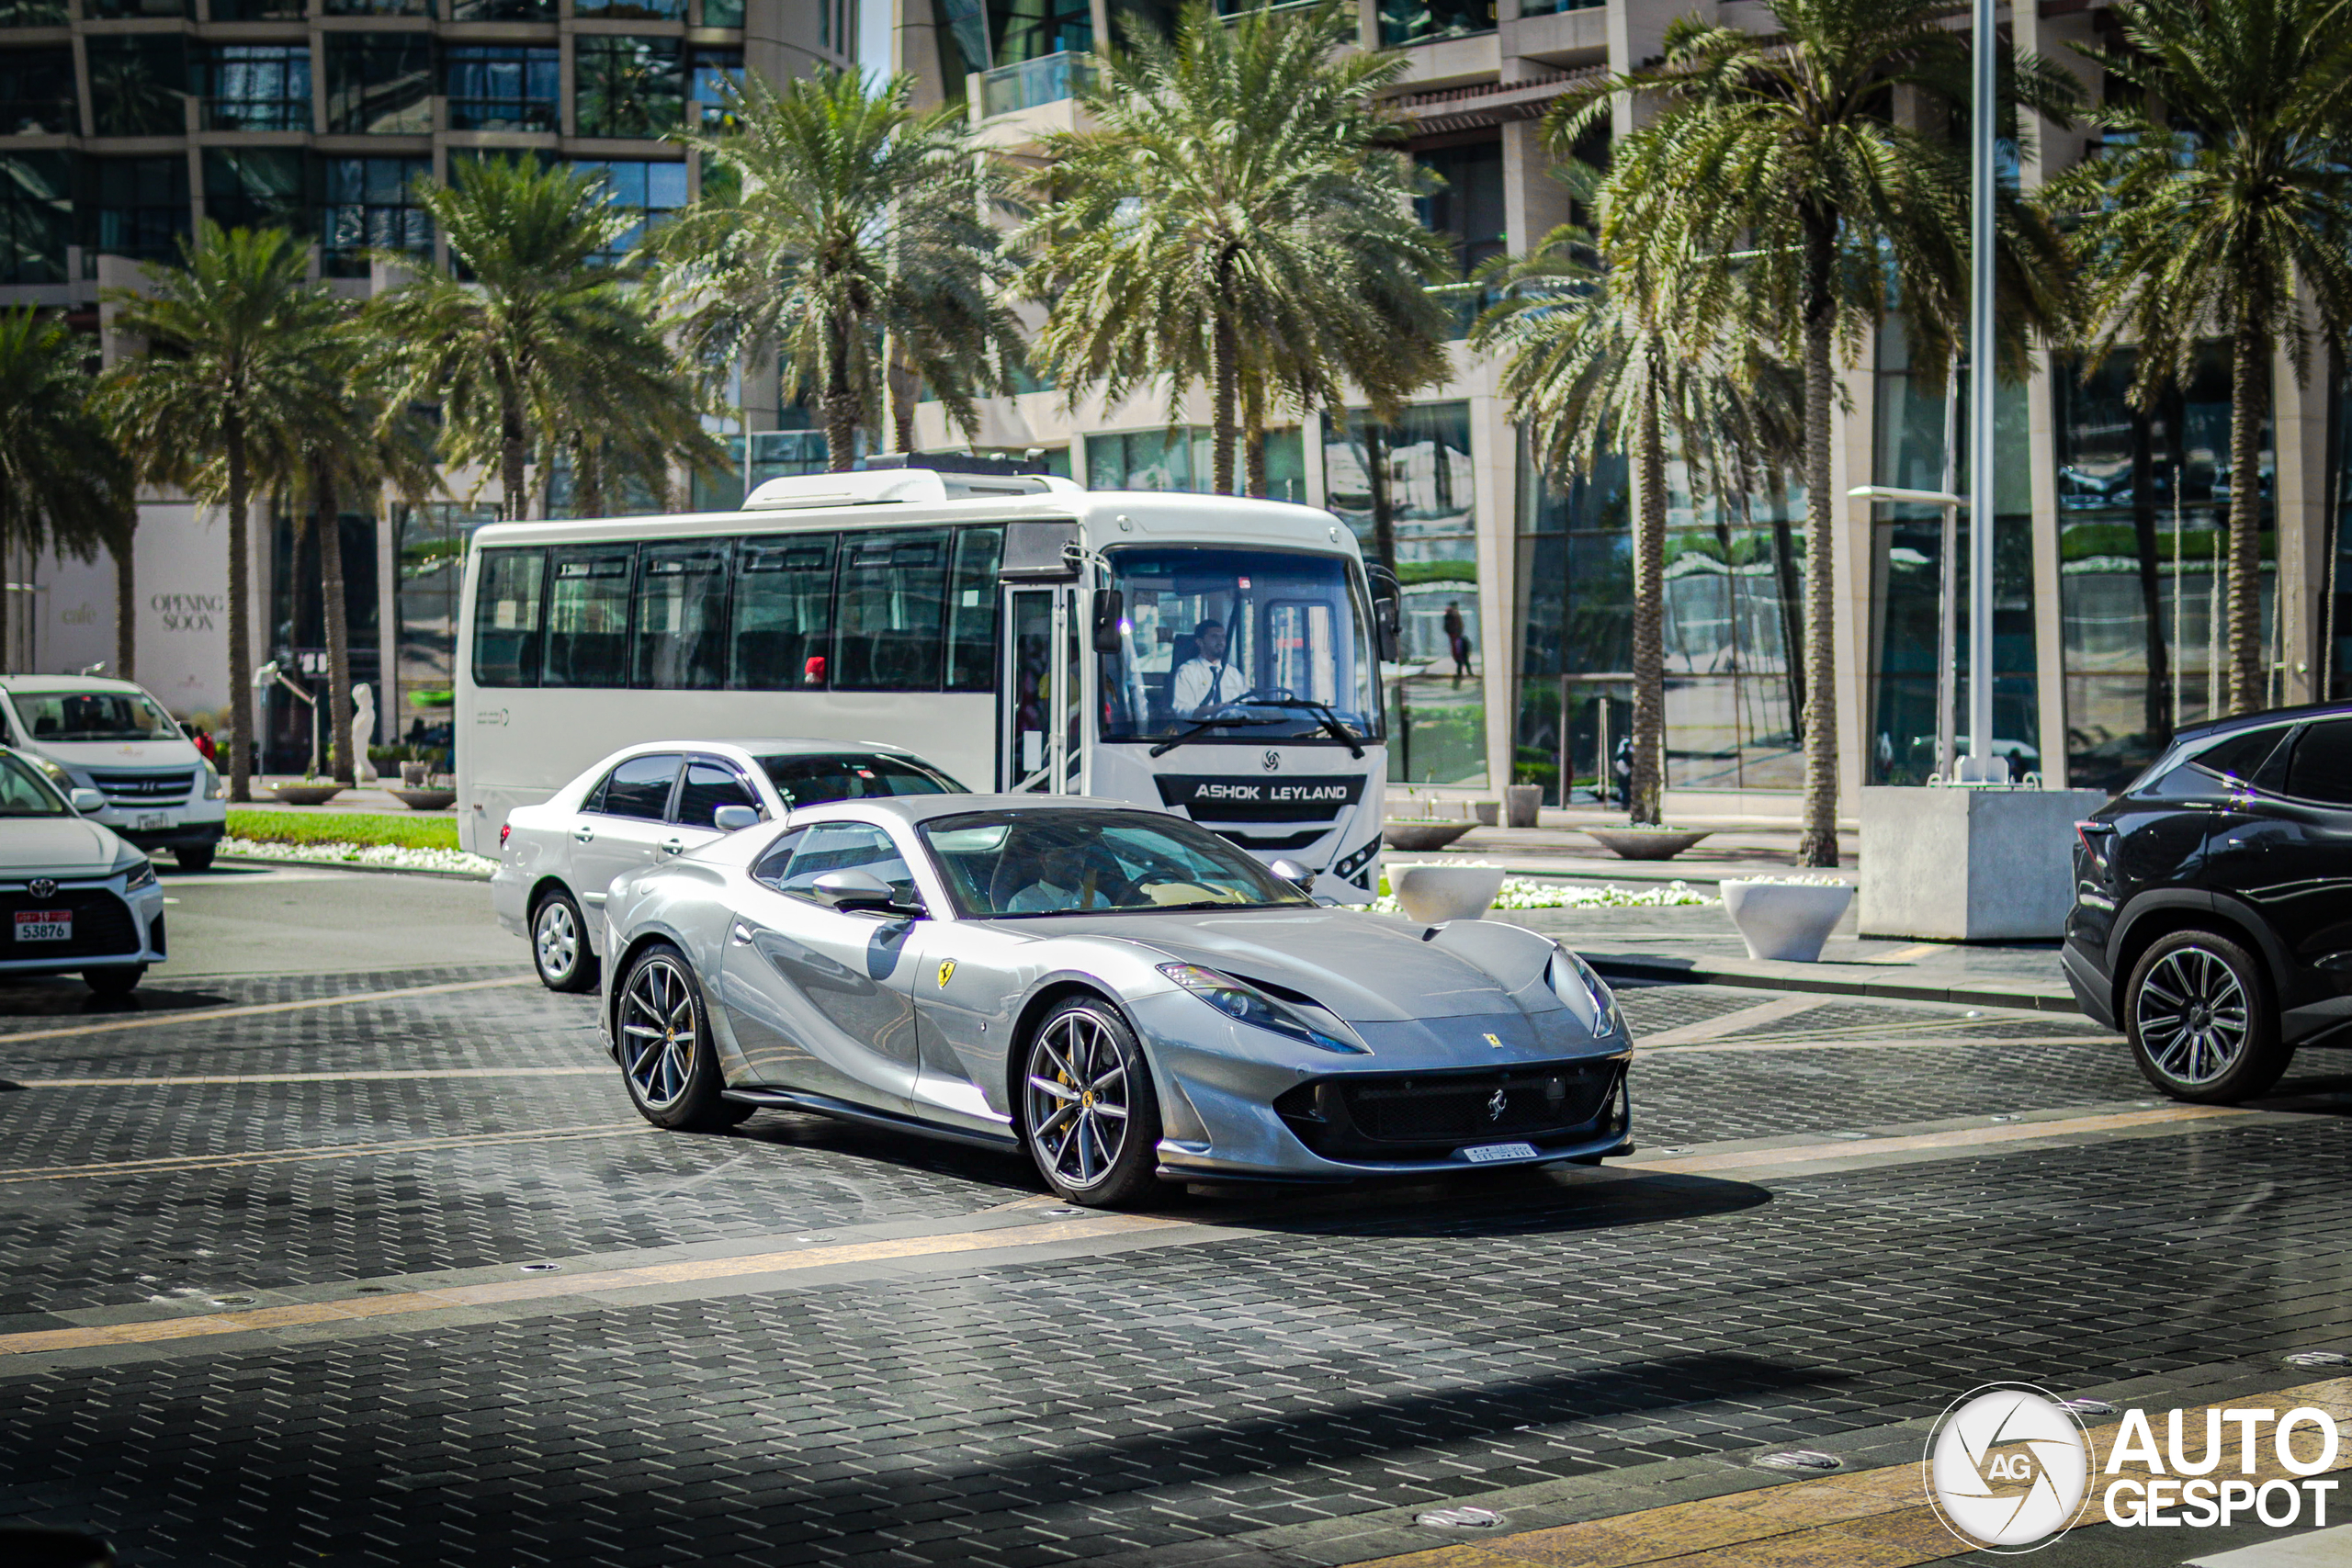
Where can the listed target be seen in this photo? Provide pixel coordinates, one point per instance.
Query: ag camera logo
(2007, 1468)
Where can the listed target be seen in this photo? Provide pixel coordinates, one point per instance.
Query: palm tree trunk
(126, 601)
(1384, 509)
(1223, 355)
(241, 664)
(2247, 387)
(1819, 847)
(7, 531)
(1645, 788)
(1792, 596)
(2155, 713)
(1253, 438)
(338, 696)
(841, 408)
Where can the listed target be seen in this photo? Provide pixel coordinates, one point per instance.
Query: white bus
(1217, 657)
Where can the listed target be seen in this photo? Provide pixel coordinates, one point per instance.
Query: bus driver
(1206, 683)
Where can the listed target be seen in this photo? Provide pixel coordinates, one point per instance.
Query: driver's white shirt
(1198, 682)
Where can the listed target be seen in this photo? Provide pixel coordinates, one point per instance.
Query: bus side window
(892, 588)
(681, 617)
(971, 610)
(783, 630)
(506, 618)
(588, 595)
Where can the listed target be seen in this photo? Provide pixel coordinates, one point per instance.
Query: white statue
(363, 732)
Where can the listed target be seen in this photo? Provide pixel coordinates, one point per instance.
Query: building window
(1468, 208)
(627, 86)
(134, 206)
(648, 192)
(35, 217)
(37, 92)
(503, 87)
(380, 84)
(429, 555)
(33, 14)
(257, 10)
(714, 68)
(1180, 460)
(255, 188)
(256, 86)
(1404, 22)
(1409, 492)
(378, 9)
(632, 10)
(134, 10)
(138, 81)
(371, 204)
(722, 13)
(501, 10)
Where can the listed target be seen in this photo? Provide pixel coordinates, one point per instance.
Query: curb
(353, 865)
(1621, 967)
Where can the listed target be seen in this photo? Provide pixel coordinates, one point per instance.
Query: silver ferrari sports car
(1118, 992)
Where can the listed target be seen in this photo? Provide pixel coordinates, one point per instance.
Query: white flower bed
(391, 857)
(1526, 893)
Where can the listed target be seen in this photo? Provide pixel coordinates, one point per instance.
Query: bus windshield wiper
(1202, 726)
(1326, 715)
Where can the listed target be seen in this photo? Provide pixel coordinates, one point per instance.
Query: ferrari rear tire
(668, 1060)
(1089, 1116)
(559, 950)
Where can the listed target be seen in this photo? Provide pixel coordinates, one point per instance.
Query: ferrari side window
(769, 867)
(847, 846)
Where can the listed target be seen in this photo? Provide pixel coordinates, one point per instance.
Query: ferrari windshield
(65, 717)
(1000, 864)
(1254, 645)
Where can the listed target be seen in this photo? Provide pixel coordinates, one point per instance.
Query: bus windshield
(1250, 645)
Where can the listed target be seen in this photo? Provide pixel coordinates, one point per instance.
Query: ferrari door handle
(583, 835)
(743, 934)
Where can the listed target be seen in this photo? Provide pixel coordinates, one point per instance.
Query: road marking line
(1904, 954)
(288, 1157)
(1714, 1027)
(1964, 1137)
(189, 1015)
(386, 1076)
(1878, 1518)
(1940, 1041)
(548, 1287)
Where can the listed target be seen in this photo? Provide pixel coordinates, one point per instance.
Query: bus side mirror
(1392, 639)
(1110, 609)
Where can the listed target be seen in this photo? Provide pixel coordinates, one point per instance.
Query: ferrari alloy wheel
(1089, 1113)
(2199, 1019)
(560, 944)
(665, 1049)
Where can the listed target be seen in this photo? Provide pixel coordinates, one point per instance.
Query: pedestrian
(1457, 640)
(201, 738)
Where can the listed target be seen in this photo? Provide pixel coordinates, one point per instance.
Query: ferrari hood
(1364, 968)
(56, 846)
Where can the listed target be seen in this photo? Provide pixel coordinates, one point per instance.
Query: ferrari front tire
(1089, 1116)
(667, 1056)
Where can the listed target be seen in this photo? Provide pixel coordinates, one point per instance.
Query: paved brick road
(1237, 1374)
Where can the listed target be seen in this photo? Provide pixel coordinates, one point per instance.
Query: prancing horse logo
(1498, 1102)
(946, 972)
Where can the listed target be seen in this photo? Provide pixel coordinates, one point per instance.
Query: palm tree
(241, 348)
(849, 230)
(1240, 218)
(1594, 360)
(63, 485)
(528, 332)
(2220, 206)
(1779, 152)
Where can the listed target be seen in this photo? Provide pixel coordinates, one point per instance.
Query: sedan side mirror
(734, 819)
(1290, 871)
(852, 890)
(87, 801)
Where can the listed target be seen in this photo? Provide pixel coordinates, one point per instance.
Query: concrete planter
(1959, 864)
(1420, 838)
(422, 799)
(1487, 812)
(1645, 843)
(1431, 894)
(1785, 920)
(1521, 802)
(305, 795)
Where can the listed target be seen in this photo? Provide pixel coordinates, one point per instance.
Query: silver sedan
(1120, 994)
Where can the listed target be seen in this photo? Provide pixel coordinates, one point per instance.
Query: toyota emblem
(1272, 762)
(1496, 1103)
(41, 887)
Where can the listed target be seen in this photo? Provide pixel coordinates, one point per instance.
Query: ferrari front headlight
(1574, 982)
(1239, 1000)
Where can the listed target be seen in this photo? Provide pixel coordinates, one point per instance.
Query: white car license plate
(44, 925)
(1486, 1153)
(153, 822)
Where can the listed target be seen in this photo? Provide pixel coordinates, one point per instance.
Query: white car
(73, 896)
(86, 732)
(655, 801)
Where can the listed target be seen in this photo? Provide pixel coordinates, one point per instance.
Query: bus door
(1039, 750)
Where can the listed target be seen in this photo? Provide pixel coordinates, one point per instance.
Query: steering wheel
(1254, 694)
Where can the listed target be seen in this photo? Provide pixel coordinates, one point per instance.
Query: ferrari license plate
(1486, 1153)
(44, 925)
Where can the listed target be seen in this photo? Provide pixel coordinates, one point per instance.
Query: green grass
(343, 827)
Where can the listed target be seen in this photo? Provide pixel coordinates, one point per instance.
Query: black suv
(2213, 915)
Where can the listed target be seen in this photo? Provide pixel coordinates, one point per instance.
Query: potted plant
(1419, 835)
(1434, 894)
(310, 790)
(1646, 841)
(1786, 917)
